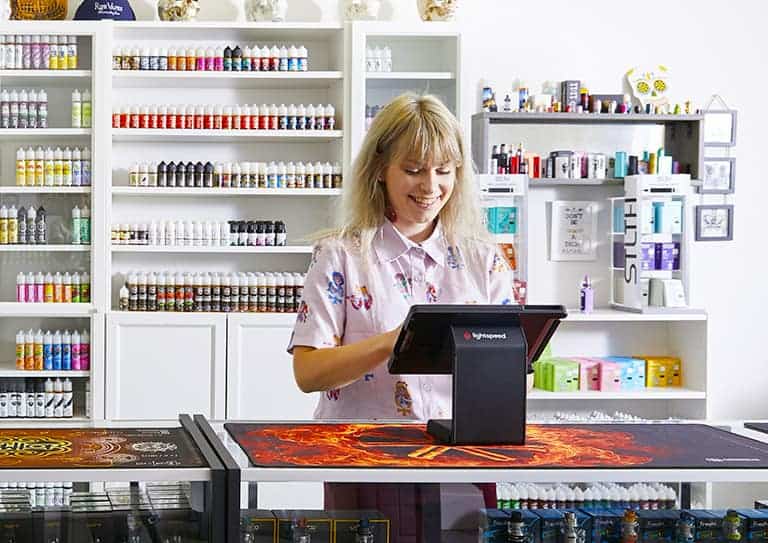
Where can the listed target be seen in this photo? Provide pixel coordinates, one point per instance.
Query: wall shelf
(49, 248)
(226, 80)
(17, 309)
(583, 118)
(615, 315)
(42, 133)
(45, 190)
(223, 136)
(46, 74)
(669, 393)
(539, 182)
(219, 192)
(410, 76)
(288, 249)
(23, 374)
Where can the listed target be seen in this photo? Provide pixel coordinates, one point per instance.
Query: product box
(648, 217)
(674, 215)
(569, 94)
(647, 256)
(618, 217)
(707, 526)
(656, 373)
(291, 523)
(49, 525)
(88, 524)
(133, 525)
(17, 526)
(565, 376)
(665, 256)
(610, 377)
(493, 525)
(561, 164)
(754, 525)
(347, 526)
(657, 526)
(258, 526)
(676, 255)
(632, 372)
(606, 525)
(589, 374)
(502, 220)
(619, 252)
(551, 523)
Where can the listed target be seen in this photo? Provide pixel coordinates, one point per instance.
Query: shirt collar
(390, 244)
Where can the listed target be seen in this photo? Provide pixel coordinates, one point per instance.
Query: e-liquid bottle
(586, 296)
(67, 400)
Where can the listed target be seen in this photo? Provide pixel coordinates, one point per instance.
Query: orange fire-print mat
(547, 447)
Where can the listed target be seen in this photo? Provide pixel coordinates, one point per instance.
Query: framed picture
(719, 175)
(714, 223)
(574, 231)
(720, 128)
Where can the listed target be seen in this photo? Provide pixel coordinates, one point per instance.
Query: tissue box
(754, 525)
(632, 372)
(647, 256)
(610, 376)
(656, 526)
(707, 527)
(502, 220)
(589, 374)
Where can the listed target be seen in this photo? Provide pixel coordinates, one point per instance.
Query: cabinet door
(260, 383)
(162, 364)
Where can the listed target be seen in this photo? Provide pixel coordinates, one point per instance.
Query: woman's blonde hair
(419, 128)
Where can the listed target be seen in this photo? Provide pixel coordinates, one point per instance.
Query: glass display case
(382, 482)
(113, 483)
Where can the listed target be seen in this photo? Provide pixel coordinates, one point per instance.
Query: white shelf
(16, 309)
(226, 80)
(45, 74)
(157, 135)
(409, 76)
(542, 182)
(42, 248)
(263, 319)
(45, 190)
(40, 423)
(21, 374)
(615, 315)
(42, 133)
(288, 249)
(668, 393)
(223, 192)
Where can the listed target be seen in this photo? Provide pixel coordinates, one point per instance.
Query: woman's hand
(325, 369)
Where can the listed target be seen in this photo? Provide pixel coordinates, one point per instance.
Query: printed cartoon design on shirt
(403, 400)
(333, 394)
(506, 301)
(403, 284)
(303, 314)
(361, 298)
(498, 264)
(336, 288)
(453, 259)
(368, 377)
(432, 295)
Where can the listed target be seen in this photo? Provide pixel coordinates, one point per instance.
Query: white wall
(711, 47)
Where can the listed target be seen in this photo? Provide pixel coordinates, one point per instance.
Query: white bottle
(48, 399)
(76, 240)
(67, 400)
(58, 399)
(303, 61)
(386, 65)
(86, 167)
(87, 109)
(320, 117)
(77, 109)
(330, 117)
(58, 167)
(77, 167)
(66, 165)
(39, 180)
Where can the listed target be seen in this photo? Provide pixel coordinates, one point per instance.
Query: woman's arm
(325, 369)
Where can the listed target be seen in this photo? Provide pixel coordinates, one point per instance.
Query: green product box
(565, 376)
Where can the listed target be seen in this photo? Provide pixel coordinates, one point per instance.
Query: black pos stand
(487, 349)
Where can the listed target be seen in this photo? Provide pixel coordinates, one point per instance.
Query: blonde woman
(410, 233)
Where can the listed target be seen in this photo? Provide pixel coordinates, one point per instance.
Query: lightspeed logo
(479, 336)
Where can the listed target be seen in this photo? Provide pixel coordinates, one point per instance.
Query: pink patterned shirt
(346, 301)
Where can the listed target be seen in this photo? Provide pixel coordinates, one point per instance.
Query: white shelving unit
(606, 331)
(58, 255)
(209, 340)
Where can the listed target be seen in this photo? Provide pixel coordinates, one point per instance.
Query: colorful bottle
(586, 296)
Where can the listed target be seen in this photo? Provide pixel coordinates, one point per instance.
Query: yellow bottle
(20, 350)
(21, 168)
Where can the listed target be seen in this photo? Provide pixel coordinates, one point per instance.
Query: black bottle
(280, 234)
(237, 59)
(208, 175)
(171, 174)
(199, 170)
(269, 234)
(189, 175)
(162, 174)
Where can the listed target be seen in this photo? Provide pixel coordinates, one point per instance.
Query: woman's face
(417, 192)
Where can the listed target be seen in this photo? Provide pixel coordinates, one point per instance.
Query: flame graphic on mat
(399, 445)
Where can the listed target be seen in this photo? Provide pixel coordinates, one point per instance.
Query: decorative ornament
(650, 86)
(266, 10)
(94, 10)
(437, 10)
(361, 10)
(38, 10)
(178, 10)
